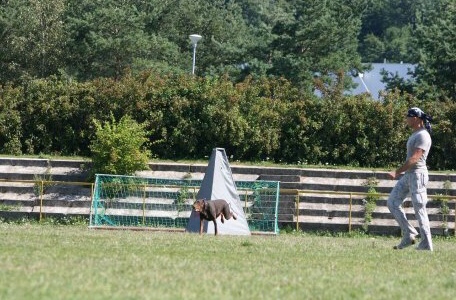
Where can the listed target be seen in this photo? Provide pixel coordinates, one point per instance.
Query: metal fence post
(297, 210)
(350, 214)
(245, 200)
(144, 205)
(41, 198)
(92, 188)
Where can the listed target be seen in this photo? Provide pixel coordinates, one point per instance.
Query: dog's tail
(231, 212)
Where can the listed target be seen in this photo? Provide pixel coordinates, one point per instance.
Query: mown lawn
(73, 262)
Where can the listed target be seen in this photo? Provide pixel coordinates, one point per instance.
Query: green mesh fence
(167, 203)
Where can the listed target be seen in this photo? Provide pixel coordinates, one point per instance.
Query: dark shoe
(405, 242)
(423, 247)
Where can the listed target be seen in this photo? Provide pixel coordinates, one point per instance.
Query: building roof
(371, 81)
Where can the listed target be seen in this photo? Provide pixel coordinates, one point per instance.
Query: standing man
(414, 182)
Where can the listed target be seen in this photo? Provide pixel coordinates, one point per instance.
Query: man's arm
(408, 164)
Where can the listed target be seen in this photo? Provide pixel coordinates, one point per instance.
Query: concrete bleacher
(20, 187)
(310, 199)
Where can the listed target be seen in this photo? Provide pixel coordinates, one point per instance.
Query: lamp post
(194, 38)
(361, 75)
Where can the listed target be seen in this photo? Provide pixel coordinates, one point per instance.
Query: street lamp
(195, 38)
(361, 76)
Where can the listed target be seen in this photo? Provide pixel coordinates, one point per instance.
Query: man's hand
(408, 164)
(392, 175)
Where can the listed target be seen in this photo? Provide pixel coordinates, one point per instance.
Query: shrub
(370, 203)
(118, 147)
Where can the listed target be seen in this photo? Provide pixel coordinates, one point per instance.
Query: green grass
(73, 262)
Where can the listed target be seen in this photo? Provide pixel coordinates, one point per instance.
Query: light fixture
(194, 38)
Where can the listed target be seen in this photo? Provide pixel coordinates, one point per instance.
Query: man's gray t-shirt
(419, 139)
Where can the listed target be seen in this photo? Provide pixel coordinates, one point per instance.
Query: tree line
(254, 120)
(295, 39)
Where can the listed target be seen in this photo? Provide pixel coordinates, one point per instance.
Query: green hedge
(186, 116)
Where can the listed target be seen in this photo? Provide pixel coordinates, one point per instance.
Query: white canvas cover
(218, 183)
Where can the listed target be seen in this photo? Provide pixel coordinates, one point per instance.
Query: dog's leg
(215, 227)
(222, 218)
(227, 213)
(201, 226)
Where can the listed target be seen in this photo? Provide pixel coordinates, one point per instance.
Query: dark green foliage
(109, 38)
(386, 32)
(444, 142)
(10, 120)
(436, 39)
(106, 38)
(315, 37)
(414, 31)
(56, 116)
(186, 117)
(297, 40)
(32, 36)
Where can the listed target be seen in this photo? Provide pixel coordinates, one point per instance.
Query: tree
(315, 37)
(32, 36)
(390, 22)
(106, 38)
(436, 38)
(373, 49)
(226, 39)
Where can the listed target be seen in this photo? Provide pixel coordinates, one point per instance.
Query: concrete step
(434, 188)
(163, 168)
(35, 171)
(44, 163)
(282, 178)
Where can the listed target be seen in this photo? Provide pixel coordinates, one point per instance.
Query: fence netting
(166, 203)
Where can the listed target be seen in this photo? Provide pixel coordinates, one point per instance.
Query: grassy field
(73, 262)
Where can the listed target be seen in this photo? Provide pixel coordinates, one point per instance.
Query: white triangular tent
(218, 183)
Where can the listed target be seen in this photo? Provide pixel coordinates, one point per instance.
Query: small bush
(370, 203)
(118, 147)
(42, 181)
